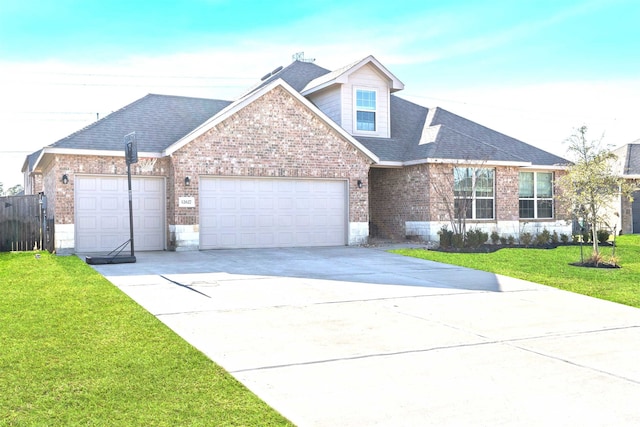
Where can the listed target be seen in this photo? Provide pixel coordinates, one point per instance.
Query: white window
(473, 190)
(366, 110)
(536, 194)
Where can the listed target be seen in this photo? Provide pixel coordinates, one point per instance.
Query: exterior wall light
(65, 179)
(187, 181)
(359, 184)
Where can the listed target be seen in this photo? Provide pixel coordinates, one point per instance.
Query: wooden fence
(24, 225)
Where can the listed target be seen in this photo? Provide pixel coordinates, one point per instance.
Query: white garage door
(263, 212)
(102, 213)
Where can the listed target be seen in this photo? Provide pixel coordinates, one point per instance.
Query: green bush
(526, 238)
(457, 241)
(554, 237)
(446, 237)
(564, 238)
(603, 236)
(511, 240)
(476, 238)
(495, 237)
(503, 240)
(543, 237)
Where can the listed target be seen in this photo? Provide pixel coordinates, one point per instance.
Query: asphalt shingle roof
(157, 120)
(161, 120)
(632, 166)
(297, 75)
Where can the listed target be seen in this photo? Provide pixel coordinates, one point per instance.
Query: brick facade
(274, 136)
(61, 196)
(418, 201)
(397, 195)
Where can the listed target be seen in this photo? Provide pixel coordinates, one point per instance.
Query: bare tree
(455, 188)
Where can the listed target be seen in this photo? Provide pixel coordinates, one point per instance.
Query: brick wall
(274, 136)
(507, 205)
(397, 196)
(60, 197)
(423, 194)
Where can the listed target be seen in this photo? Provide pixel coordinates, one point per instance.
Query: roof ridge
(182, 97)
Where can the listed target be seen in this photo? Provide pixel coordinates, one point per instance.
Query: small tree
(12, 191)
(591, 184)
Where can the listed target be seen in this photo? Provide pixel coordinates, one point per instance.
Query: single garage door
(271, 212)
(102, 213)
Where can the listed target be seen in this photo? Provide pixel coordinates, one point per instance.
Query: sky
(534, 70)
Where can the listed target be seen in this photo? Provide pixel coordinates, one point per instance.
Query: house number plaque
(187, 202)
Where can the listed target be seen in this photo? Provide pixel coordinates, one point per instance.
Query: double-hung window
(474, 195)
(365, 110)
(536, 194)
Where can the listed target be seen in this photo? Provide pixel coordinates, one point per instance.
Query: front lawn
(75, 350)
(552, 267)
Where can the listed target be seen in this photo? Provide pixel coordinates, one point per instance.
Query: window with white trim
(536, 194)
(474, 195)
(365, 110)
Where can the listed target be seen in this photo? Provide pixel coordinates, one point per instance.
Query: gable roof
(30, 161)
(418, 134)
(629, 159)
(247, 99)
(341, 75)
(157, 120)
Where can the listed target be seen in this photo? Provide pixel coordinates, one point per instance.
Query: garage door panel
(102, 213)
(108, 184)
(271, 212)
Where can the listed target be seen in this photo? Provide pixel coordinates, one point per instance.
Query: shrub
(575, 238)
(586, 236)
(503, 240)
(526, 238)
(564, 238)
(495, 237)
(511, 240)
(543, 237)
(603, 236)
(476, 238)
(457, 240)
(554, 237)
(446, 237)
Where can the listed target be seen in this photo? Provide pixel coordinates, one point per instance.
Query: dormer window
(365, 110)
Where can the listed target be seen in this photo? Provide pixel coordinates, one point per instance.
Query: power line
(146, 76)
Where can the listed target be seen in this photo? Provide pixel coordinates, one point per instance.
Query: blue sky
(532, 69)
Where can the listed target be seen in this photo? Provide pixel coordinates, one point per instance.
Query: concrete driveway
(352, 336)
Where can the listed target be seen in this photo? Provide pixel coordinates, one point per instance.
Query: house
(306, 157)
(628, 167)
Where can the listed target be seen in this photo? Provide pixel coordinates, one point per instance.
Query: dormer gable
(357, 97)
(341, 76)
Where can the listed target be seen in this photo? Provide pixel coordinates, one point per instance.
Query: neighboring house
(628, 167)
(307, 157)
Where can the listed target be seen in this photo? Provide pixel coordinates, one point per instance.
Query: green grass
(75, 350)
(551, 267)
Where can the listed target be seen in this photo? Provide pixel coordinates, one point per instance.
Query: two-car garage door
(271, 212)
(102, 213)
